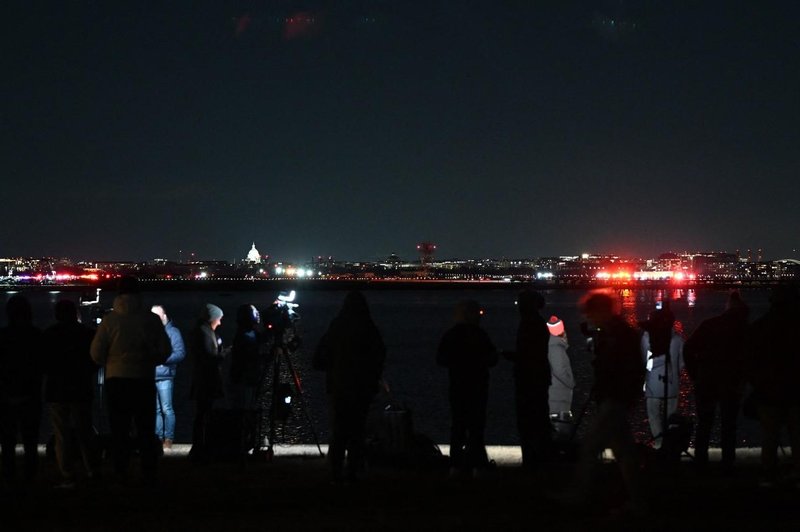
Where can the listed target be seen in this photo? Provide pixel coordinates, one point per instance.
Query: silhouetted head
(599, 308)
(128, 285)
(355, 305)
(468, 311)
(737, 306)
(65, 311)
(18, 310)
(530, 302)
(247, 316)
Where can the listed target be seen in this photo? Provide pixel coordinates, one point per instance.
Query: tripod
(281, 398)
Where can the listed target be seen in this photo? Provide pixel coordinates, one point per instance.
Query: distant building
(253, 256)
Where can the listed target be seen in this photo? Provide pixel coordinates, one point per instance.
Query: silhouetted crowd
(733, 365)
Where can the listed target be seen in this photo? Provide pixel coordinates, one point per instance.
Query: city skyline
(359, 128)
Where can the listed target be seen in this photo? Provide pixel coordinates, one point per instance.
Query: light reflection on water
(412, 321)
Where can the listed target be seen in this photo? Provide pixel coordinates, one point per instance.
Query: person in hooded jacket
(562, 381)
(205, 351)
(654, 384)
(165, 381)
(468, 353)
(773, 365)
(352, 354)
(714, 356)
(69, 390)
(129, 343)
(248, 358)
(20, 387)
(532, 379)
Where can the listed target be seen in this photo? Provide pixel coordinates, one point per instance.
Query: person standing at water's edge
(532, 379)
(165, 379)
(130, 342)
(20, 387)
(618, 380)
(468, 353)
(562, 381)
(352, 354)
(69, 389)
(205, 351)
(714, 356)
(773, 364)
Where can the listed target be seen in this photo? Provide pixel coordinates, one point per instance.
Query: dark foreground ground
(293, 493)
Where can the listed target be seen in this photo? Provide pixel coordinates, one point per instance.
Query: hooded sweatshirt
(130, 341)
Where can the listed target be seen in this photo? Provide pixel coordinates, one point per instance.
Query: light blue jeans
(165, 414)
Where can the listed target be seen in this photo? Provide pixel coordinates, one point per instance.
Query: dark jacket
(773, 357)
(205, 350)
(247, 357)
(168, 369)
(68, 367)
(352, 354)
(714, 355)
(468, 353)
(531, 363)
(618, 368)
(21, 359)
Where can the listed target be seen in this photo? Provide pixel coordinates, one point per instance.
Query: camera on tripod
(280, 321)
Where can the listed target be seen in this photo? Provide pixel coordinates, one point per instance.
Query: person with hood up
(129, 343)
(660, 340)
(714, 356)
(206, 353)
(20, 387)
(562, 382)
(773, 363)
(248, 358)
(352, 354)
(165, 381)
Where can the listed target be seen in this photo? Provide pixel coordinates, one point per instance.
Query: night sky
(360, 128)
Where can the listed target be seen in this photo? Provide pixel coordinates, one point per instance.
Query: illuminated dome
(253, 255)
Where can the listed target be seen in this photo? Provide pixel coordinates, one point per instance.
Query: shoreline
(255, 285)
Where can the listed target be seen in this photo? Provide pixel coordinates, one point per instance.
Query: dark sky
(359, 128)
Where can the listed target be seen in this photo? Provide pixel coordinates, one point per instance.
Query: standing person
(205, 350)
(247, 358)
(714, 355)
(69, 373)
(20, 387)
(618, 379)
(660, 385)
(352, 354)
(165, 380)
(130, 342)
(532, 379)
(562, 382)
(468, 353)
(773, 363)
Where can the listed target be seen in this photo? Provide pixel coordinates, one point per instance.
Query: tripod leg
(300, 395)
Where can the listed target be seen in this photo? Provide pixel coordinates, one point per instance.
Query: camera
(280, 321)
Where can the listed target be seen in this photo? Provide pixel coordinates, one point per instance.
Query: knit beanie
(555, 325)
(212, 312)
